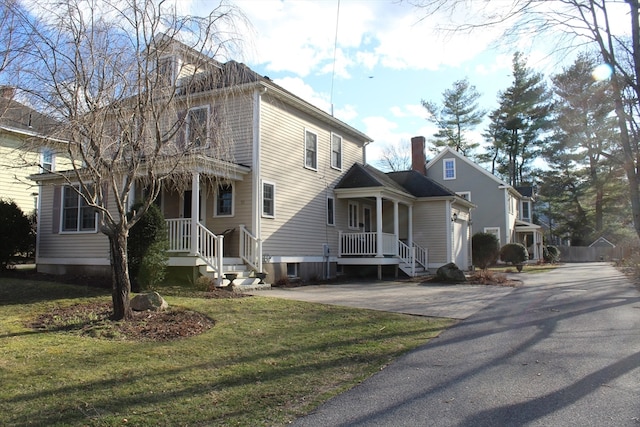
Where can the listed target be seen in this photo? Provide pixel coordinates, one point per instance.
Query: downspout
(255, 166)
(449, 233)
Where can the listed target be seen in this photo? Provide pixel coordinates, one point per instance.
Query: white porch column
(195, 211)
(379, 226)
(410, 226)
(396, 225)
(536, 249)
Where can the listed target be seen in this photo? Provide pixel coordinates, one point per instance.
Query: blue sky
(388, 57)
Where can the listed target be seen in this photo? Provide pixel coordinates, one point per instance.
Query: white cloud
(298, 87)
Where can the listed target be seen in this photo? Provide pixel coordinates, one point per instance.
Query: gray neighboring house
(500, 209)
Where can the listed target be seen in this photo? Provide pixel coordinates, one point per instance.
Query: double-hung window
(224, 200)
(449, 169)
(268, 199)
(336, 151)
(47, 160)
(310, 150)
(76, 214)
(198, 126)
(526, 210)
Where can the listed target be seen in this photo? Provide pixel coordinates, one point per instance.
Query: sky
(373, 62)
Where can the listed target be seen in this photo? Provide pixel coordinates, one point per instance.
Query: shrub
(551, 254)
(147, 249)
(16, 233)
(485, 249)
(204, 284)
(514, 253)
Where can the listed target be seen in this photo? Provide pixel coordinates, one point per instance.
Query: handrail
(422, 256)
(250, 249)
(407, 255)
(210, 249)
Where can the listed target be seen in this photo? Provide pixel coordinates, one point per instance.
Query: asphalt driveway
(452, 301)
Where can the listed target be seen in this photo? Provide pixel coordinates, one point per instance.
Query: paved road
(562, 350)
(455, 302)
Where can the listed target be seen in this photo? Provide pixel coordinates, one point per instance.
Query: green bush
(485, 249)
(514, 253)
(551, 254)
(147, 249)
(16, 233)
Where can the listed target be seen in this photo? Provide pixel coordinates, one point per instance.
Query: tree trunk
(120, 283)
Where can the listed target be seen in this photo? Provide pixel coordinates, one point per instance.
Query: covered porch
(530, 235)
(206, 230)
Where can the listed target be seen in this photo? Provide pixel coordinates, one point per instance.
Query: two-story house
(25, 149)
(500, 209)
(294, 198)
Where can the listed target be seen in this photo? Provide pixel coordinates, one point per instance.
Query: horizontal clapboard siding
(429, 229)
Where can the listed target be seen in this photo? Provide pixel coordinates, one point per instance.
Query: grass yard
(265, 362)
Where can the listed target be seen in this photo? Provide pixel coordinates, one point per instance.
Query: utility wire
(335, 49)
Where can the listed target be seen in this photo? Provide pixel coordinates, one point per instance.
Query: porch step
(419, 270)
(244, 277)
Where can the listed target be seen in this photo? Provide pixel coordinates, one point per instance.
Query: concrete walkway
(455, 302)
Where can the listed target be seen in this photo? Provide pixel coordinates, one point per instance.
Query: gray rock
(151, 301)
(450, 273)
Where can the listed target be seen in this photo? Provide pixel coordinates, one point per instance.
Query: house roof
(410, 183)
(17, 117)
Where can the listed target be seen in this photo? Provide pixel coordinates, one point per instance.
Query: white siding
(299, 227)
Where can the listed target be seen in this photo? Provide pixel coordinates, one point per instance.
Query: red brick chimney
(418, 160)
(7, 92)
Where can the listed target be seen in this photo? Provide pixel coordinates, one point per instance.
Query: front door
(366, 213)
(186, 205)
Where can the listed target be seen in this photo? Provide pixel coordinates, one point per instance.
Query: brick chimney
(7, 92)
(418, 160)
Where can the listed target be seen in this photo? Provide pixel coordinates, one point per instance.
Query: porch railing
(209, 246)
(408, 256)
(365, 244)
(250, 249)
(210, 249)
(422, 256)
(179, 233)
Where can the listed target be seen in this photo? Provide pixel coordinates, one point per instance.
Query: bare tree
(104, 69)
(396, 158)
(574, 25)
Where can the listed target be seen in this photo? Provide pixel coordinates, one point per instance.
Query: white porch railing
(209, 246)
(179, 232)
(421, 256)
(365, 244)
(250, 249)
(408, 256)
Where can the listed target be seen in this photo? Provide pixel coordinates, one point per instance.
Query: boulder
(450, 273)
(151, 301)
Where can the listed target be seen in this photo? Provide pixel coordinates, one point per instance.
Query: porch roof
(362, 180)
(524, 226)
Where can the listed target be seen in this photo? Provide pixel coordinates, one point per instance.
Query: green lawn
(265, 362)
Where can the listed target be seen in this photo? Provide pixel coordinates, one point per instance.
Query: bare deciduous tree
(611, 27)
(395, 158)
(104, 69)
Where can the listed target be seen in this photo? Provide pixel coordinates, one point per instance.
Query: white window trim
(465, 193)
(522, 204)
(77, 230)
(337, 167)
(188, 125)
(333, 210)
(296, 272)
(53, 160)
(495, 231)
(233, 201)
(444, 169)
(272, 184)
(313, 168)
(356, 209)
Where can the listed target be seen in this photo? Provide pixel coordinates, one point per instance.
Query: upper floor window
(47, 160)
(268, 199)
(526, 210)
(310, 150)
(495, 231)
(76, 214)
(198, 126)
(224, 200)
(336, 151)
(331, 211)
(449, 169)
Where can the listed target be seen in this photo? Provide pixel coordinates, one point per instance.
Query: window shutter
(55, 214)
